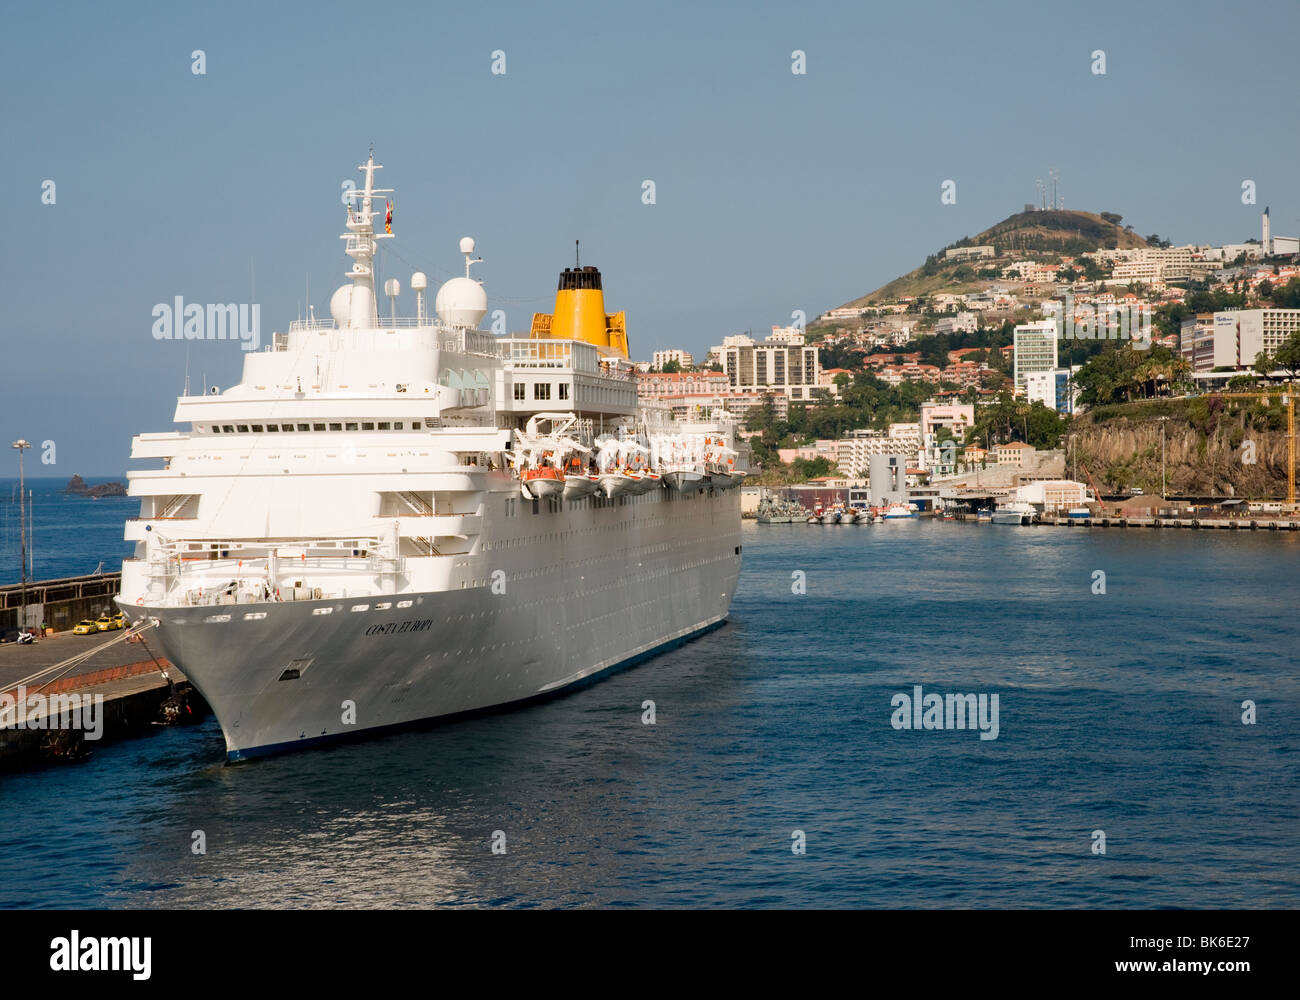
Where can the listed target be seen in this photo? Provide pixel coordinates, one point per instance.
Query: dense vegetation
(1120, 374)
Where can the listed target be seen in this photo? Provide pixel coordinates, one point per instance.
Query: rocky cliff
(1213, 447)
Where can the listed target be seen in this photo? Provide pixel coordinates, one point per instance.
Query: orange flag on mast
(388, 220)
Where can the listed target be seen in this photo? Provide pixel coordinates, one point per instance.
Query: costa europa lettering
(394, 628)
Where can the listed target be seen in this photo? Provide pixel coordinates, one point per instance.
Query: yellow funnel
(580, 314)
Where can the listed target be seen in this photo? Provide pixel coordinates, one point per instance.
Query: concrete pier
(1192, 523)
(123, 675)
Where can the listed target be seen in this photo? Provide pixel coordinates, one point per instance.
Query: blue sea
(70, 535)
(1120, 714)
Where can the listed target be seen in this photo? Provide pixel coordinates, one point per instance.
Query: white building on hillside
(683, 358)
(1034, 350)
(791, 370)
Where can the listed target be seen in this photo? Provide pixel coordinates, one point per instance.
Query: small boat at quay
(1017, 512)
(775, 510)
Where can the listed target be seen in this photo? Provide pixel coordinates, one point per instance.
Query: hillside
(1051, 232)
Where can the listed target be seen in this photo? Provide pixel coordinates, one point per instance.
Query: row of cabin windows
(352, 425)
(541, 390)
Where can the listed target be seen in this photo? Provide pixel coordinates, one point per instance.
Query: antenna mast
(361, 247)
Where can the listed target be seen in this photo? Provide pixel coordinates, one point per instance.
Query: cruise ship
(399, 519)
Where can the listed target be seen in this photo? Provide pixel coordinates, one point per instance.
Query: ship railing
(458, 339)
(229, 581)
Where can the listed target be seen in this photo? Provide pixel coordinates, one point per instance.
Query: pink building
(653, 385)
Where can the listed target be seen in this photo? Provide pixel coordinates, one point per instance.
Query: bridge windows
(347, 425)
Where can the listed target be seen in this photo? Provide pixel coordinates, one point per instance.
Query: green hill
(1029, 233)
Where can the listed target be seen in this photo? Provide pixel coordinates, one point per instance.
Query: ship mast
(361, 247)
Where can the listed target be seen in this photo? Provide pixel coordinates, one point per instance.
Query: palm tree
(1180, 375)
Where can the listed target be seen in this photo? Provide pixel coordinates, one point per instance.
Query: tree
(763, 416)
(1287, 296)
(1092, 271)
(1114, 218)
(809, 468)
(671, 367)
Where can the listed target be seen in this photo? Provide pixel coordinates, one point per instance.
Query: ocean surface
(1119, 712)
(70, 535)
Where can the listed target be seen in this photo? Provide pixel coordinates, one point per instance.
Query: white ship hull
(371, 528)
(613, 584)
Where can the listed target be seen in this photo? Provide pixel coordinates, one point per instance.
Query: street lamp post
(1162, 457)
(22, 446)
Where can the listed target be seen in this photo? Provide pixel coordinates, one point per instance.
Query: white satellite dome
(419, 282)
(461, 302)
(467, 244)
(341, 306)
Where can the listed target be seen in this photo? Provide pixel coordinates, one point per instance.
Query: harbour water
(1119, 712)
(71, 535)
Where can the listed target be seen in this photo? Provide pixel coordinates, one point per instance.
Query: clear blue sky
(775, 192)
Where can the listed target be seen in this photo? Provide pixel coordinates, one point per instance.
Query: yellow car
(120, 619)
(85, 627)
(106, 623)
